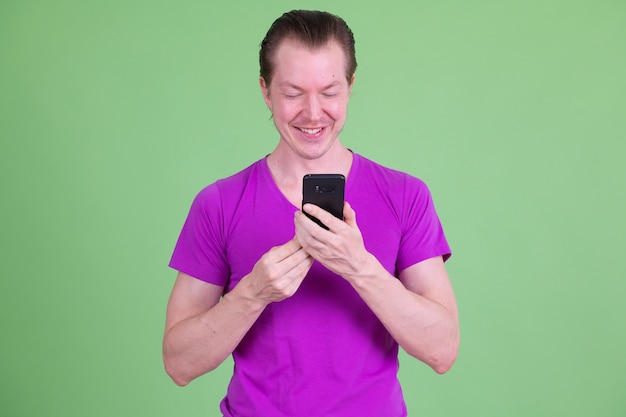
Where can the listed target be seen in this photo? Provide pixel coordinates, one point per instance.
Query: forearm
(201, 343)
(425, 329)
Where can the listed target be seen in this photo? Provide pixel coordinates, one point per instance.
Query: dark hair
(314, 29)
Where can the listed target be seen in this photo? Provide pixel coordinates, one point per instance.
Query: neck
(287, 169)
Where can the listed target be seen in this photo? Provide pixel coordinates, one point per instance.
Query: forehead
(297, 63)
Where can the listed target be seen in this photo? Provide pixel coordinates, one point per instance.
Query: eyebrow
(287, 84)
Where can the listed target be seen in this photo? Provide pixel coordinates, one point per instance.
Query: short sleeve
(200, 251)
(422, 233)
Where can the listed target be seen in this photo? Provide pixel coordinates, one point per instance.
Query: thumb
(349, 215)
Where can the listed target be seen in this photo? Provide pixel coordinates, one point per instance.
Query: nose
(313, 108)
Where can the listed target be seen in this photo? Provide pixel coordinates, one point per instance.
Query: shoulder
(388, 178)
(230, 186)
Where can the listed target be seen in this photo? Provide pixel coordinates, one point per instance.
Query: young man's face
(308, 97)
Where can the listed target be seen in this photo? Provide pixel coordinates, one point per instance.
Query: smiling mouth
(311, 131)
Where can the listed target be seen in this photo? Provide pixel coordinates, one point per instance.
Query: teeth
(311, 131)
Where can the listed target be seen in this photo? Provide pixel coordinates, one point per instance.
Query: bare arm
(201, 330)
(419, 310)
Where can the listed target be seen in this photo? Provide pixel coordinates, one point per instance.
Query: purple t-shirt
(322, 351)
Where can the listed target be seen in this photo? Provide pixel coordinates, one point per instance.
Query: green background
(113, 114)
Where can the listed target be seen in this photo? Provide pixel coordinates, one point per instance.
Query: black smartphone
(325, 191)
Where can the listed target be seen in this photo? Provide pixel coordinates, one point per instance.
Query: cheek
(338, 109)
(288, 110)
(285, 111)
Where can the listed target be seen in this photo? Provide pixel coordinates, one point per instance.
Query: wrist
(246, 297)
(368, 268)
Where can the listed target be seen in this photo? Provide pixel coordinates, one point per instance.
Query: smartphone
(325, 191)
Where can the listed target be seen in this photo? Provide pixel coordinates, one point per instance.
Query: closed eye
(330, 94)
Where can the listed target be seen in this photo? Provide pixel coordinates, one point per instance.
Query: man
(312, 317)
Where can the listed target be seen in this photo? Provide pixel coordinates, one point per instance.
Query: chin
(315, 151)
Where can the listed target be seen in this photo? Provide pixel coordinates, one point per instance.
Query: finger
(282, 252)
(295, 271)
(301, 268)
(307, 231)
(349, 215)
(294, 260)
(322, 215)
(302, 223)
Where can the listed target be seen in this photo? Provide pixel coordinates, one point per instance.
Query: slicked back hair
(314, 29)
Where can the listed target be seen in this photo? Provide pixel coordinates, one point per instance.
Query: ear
(351, 84)
(265, 90)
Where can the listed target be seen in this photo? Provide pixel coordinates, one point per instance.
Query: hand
(279, 272)
(341, 248)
